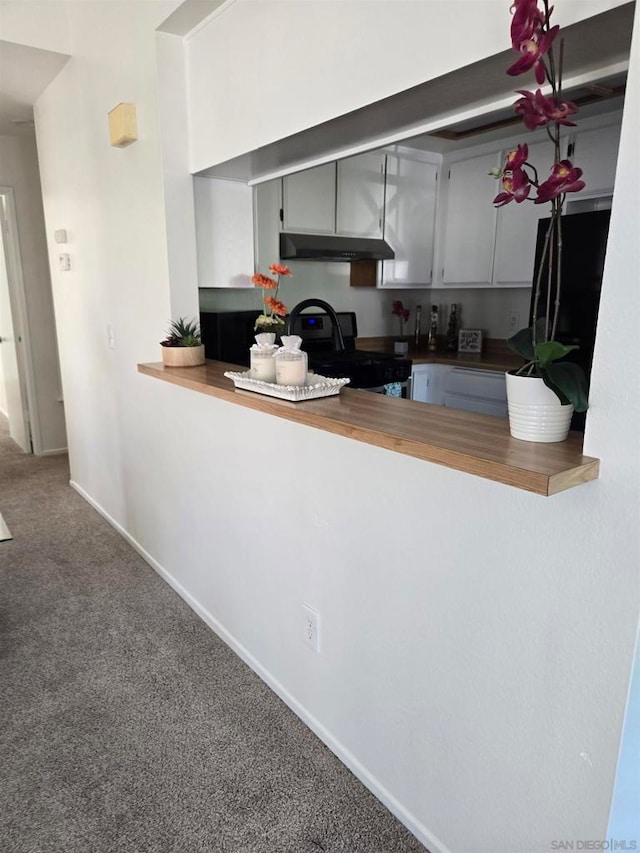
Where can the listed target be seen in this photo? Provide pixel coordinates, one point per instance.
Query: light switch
(64, 262)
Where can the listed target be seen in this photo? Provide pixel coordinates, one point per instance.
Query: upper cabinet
(596, 153)
(345, 197)
(410, 217)
(224, 232)
(434, 210)
(470, 223)
(517, 228)
(309, 200)
(360, 195)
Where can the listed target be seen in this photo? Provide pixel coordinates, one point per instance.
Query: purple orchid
(564, 178)
(537, 110)
(516, 186)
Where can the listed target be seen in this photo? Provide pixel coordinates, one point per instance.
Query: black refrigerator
(584, 243)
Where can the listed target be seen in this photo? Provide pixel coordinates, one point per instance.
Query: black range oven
(228, 335)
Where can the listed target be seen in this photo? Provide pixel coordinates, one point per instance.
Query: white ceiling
(25, 72)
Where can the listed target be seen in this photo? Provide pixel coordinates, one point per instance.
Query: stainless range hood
(319, 247)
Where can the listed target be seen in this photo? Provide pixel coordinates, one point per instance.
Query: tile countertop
(495, 354)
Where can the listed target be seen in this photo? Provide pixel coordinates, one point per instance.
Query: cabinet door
(360, 198)
(596, 153)
(409, 220)
(480, 391)
(420, 376)
(309, 200)
(267, 204)
(517, 228)
(427, 382)
(470, 222)
(224, 232)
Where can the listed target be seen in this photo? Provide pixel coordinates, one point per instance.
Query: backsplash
(478, 308)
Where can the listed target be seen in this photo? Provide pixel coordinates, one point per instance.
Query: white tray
(317, 386)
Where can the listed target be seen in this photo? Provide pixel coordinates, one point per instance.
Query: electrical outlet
(311, 628)
(513, 321)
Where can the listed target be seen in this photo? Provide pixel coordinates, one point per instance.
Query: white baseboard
(56, 451)
(433, 844)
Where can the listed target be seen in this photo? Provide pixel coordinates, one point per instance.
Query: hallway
(126, 725)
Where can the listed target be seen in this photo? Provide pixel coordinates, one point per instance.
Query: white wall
(19, 169)
(111, 202)
(477, 640)
(379, 46)
(37, 23)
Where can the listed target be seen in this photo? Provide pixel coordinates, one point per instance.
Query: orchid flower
(516, 186)
(564, 178)
(527, 20)
(537, 110)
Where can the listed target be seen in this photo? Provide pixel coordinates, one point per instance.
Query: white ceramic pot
(535, 412)
(183, 356)
(400, 347)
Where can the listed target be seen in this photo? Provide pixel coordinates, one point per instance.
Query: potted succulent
(556, 387)
(183, 345)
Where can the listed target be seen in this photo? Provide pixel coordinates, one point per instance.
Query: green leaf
(521, 344)
(569, 382)
(551, 351)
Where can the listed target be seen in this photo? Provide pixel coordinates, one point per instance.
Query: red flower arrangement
(274, 310)
(398, 310)
(533, 37)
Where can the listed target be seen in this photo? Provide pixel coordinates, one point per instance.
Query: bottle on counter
(432, 340)
(452, 330)
(417, 333)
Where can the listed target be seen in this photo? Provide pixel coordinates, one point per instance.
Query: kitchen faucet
(336, 331)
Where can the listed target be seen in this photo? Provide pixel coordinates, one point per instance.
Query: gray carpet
(126, 724)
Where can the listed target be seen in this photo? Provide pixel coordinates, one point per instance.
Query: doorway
(17, 394)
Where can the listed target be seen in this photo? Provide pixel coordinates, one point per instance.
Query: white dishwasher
(483, 391)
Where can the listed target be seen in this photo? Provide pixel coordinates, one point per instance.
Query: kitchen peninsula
(472, 443)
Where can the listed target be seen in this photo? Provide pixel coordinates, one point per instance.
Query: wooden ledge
(477, 444)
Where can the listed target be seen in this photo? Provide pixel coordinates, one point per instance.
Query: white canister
(262, 360)
(291, 367)
(263, 365)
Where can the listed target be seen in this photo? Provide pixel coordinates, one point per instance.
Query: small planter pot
(183, 356)
(535, 413)
(400, 347)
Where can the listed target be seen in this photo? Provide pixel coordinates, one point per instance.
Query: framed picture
(470, 340)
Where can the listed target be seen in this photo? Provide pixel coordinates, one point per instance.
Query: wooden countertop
(495, 354)
(477, 444)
